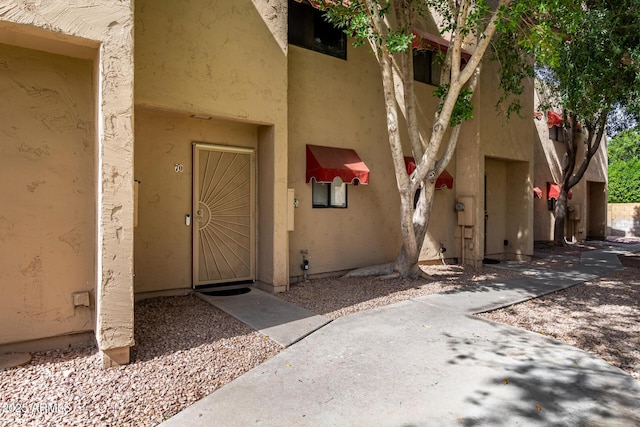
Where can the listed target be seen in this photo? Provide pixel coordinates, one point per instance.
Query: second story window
(428, 52)
(556, 134)
(554, 120)
(426, 67)
(308, 28)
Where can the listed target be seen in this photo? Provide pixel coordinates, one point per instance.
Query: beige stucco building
(587, 216)
(196, 171)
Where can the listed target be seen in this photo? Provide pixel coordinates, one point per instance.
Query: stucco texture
(495, 162)
(225, 60)
(589, 196)
(100, 30)
(47, 237)
(162, 237)
(338, 103)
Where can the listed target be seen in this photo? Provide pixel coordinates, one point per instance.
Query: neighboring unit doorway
(597, 210)
(223, 214)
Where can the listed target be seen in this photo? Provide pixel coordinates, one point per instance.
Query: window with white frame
(329, 194)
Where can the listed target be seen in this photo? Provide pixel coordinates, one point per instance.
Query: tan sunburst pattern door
(224, 214)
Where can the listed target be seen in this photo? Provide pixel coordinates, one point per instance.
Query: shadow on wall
(623, 219)
(635, 229)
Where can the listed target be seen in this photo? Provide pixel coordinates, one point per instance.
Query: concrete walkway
(428, 362)
(283, 322)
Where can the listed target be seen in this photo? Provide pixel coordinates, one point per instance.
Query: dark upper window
(556, 134)
(309, 29)
(426, 67)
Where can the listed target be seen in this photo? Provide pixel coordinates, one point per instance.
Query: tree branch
(594, 144)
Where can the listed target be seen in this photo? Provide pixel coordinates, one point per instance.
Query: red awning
(410, 164)
(537, 192)
(444, 180)
(553, 191)
(326, 163)
(554, 119)
(424, 40)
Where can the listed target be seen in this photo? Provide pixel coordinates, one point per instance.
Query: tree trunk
(569, 177)
(397, 83)
(561, 218)
(406, 263)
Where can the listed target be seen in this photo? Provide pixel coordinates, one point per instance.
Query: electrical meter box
(465, 210)
(574, 211)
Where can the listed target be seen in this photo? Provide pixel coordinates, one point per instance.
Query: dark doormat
(490, 261)
(226, 292)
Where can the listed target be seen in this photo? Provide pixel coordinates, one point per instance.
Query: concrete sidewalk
(283, 322)
(428, 362)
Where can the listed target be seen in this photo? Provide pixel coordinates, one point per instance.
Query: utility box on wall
(465, 209)
(574, 211)
(291, 204)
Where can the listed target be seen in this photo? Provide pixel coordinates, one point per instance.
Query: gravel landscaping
(601, 317)
(335, 297)
(187, 348)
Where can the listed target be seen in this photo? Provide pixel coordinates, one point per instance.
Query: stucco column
(82, 29)
(280, 232)
(114, 291)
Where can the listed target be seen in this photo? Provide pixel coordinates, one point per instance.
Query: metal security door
(224, 214)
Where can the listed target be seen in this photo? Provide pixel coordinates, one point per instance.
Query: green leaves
(399, 41)
(624, 181)
(625, 146)
(463, 110)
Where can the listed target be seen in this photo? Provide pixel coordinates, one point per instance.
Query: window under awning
(424, 40)
(444, 180)
(326, 163)
(553, 191)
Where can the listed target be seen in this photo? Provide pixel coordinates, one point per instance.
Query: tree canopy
(625, 146)
(387, 26)
(589, 48)
(588, 60)
(624, 167)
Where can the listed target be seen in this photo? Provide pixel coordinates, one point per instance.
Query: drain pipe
(462, 230)
(305, 263)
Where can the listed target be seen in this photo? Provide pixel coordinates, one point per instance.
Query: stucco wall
(47, 223)
(548, 160)
(501, 149)
(339, 103)
(226, 60)
(496, 171)
(623, 219)
(509, 139)
(162, 237)
(101, 30)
